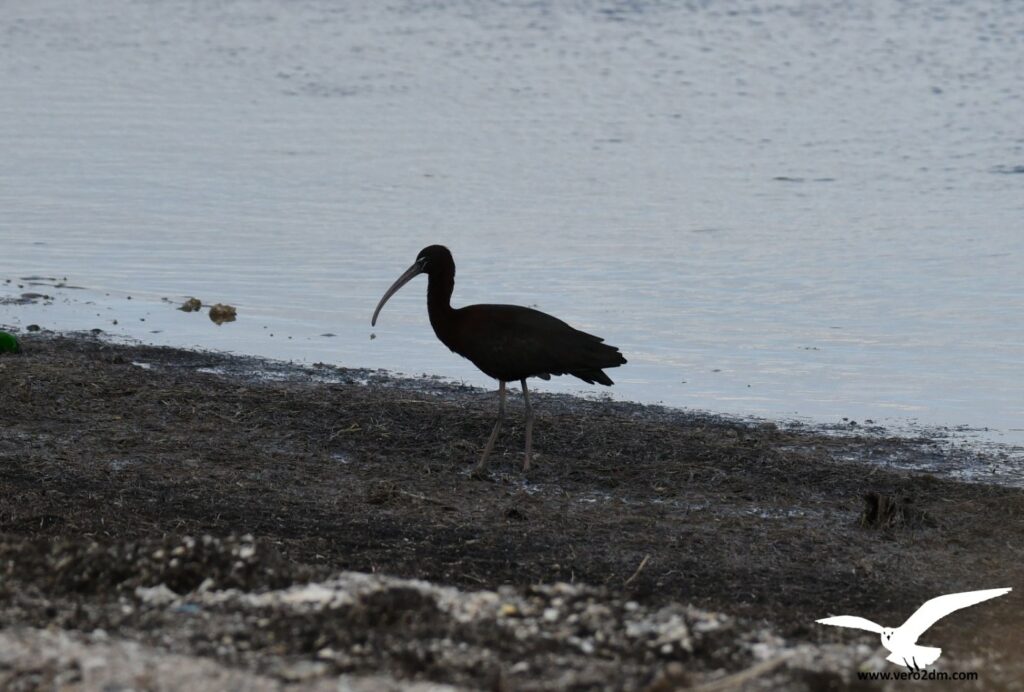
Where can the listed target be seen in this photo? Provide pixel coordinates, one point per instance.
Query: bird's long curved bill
(412, 271)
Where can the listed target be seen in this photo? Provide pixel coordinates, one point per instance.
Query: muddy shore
(210, 521)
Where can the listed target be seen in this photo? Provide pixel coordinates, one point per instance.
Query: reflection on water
(808, 211)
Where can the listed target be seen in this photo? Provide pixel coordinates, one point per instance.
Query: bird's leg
(494, 433)
(529, 427)
(912, 667)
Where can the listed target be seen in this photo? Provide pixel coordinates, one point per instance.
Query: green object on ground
(8, 343)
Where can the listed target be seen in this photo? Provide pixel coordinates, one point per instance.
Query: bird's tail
(921, 655)
(598, 355)
(591, 376)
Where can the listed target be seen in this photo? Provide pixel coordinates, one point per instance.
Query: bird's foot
(534, 461)
(478, 472)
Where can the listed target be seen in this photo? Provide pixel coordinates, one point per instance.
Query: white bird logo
(902, 641)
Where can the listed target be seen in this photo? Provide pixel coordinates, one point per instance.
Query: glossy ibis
(507, 342)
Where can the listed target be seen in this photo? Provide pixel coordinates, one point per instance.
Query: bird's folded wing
(937, 608)
(852, 621)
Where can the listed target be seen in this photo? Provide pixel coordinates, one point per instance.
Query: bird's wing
(938, 608)
(852, 621)
(511, 342)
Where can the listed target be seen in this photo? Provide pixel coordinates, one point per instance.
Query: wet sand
(215, 521)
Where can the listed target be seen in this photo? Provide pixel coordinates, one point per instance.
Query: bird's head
(887, 633)
(433, 260)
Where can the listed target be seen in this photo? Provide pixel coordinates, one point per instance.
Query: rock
(221, 313)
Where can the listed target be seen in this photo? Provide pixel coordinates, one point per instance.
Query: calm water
(777, 209)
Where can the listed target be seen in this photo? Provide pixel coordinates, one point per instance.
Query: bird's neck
(439, 306)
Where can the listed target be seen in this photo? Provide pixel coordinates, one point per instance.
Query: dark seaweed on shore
(204, 473)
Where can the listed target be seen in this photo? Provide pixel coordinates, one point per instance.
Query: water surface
(775, 209)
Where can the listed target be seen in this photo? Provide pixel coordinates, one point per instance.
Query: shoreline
(332, 471)
(148, 319)
(967, 453)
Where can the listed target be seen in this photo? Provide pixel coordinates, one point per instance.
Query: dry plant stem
(639, 569)
(737, 680)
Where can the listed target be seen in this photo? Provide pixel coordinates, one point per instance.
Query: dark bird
(507, 342)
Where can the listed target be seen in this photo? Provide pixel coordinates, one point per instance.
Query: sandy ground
(174, 519)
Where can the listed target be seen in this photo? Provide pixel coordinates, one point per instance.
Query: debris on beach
(221, 313)
(191, 305)
(9, 343)
(888, 511)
